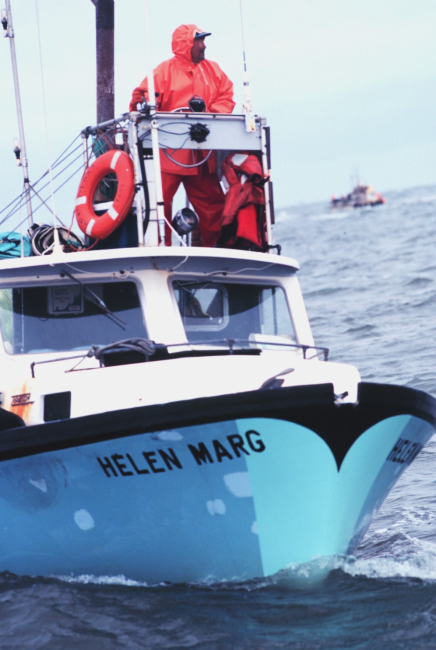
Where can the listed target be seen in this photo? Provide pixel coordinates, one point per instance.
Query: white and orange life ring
(100, 227)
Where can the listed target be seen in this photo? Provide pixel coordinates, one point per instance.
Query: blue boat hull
(232, 487)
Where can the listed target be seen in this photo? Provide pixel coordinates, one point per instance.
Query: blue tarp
(11, 244)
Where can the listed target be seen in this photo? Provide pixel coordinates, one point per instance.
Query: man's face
(197, 50)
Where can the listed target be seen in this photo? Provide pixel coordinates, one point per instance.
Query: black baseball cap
(202, 35)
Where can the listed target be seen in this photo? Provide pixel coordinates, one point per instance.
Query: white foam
(87, 579)
(403, 557)
(420, 565)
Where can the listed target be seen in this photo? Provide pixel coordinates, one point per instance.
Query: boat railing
(136, 350)
(150, 132)
(143, 135)
(259, 345)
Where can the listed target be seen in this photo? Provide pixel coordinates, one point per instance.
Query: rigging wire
(55, 164)
(17, 228)
(41, 204)
(47, 206)
(17, 208)
(17, 198)
(58, 174)
(56, 237)
(58, 161)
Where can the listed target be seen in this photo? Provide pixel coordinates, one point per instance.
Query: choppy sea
(369, 280)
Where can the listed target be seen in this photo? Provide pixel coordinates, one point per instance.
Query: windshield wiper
(92, 297)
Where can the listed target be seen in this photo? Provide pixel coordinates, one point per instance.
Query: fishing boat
(360, 197)
(166, 414)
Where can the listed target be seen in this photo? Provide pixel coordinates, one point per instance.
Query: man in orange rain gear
(178, 80)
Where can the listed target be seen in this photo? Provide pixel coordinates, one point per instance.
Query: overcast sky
(348, 86)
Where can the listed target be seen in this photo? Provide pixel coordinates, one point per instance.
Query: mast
(104, 25)
(19, 148)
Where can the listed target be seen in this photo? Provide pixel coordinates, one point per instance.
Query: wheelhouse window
(248, 313)
(66, 317)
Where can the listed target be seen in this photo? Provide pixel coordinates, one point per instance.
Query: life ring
(100, 227)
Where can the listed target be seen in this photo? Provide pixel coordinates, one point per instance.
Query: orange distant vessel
(361, 196)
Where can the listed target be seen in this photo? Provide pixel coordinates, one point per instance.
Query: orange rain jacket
(177, 80)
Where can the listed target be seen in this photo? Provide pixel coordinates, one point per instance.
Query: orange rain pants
(206, 196)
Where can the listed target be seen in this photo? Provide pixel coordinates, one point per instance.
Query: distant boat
(361, 196)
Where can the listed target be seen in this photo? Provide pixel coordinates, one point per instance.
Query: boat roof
(182, 259)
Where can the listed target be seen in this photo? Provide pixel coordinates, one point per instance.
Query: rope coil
(42, 239)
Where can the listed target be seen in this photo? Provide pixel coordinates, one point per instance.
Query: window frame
(251, 282)
(47, 282)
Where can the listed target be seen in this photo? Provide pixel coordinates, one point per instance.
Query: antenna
(160, 215)
(151, 93)
(246, 107)
(56, 243)
(20, 153)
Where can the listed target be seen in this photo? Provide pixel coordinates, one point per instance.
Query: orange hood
(183, 40)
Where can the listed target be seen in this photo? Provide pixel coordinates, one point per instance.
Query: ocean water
(369, 281)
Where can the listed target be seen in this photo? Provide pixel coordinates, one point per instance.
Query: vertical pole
(104, 24)
(133, 139)
(85, 151)
(9, 33)
(266, 188)
(151, 95)
(154, 133)
(158, 182)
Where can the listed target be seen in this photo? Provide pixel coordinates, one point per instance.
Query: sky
(347, 86)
